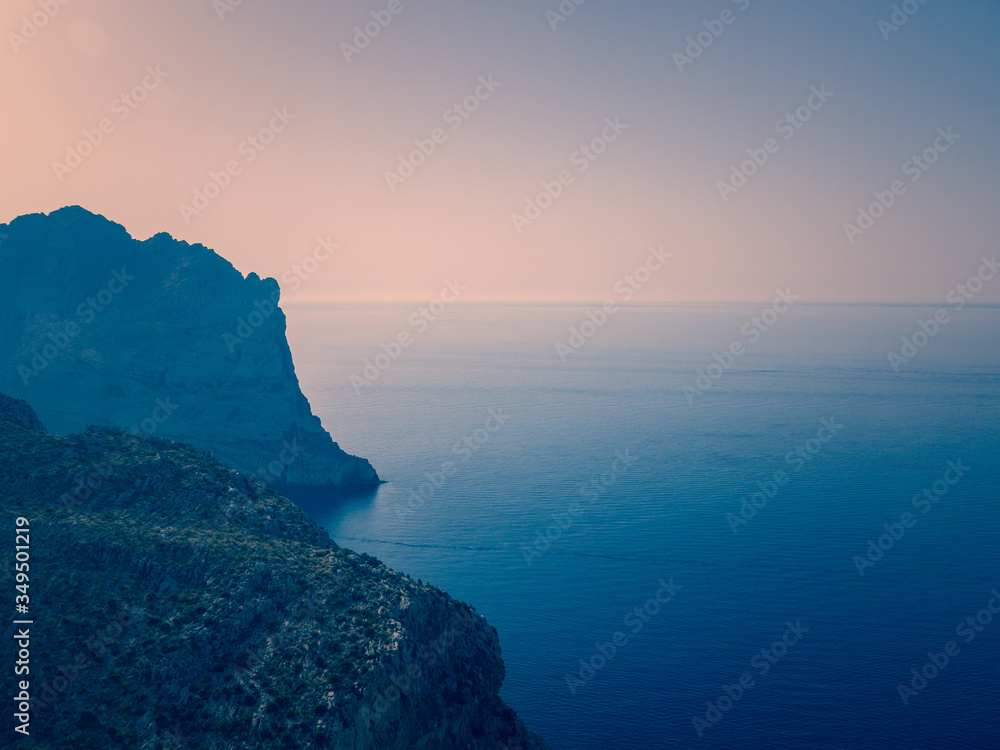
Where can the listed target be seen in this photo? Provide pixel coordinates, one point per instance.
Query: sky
(527, 149)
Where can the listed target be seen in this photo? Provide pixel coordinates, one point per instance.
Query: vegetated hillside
(178, 604)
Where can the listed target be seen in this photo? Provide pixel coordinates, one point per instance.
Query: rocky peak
(158, 337)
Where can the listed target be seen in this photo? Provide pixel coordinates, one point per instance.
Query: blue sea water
(669, 516)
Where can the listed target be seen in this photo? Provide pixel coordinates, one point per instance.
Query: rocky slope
(180, 604)
(157, 337)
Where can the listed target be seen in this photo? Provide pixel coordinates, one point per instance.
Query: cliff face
(180, 604)
(161, 338)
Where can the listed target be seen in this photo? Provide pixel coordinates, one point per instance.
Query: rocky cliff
(180, 604)
(160, 338)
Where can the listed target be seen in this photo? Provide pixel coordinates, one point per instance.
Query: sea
(693, 526)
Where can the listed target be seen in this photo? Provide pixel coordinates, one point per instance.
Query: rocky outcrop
(161, 338)
(181, 604)
(20, 413)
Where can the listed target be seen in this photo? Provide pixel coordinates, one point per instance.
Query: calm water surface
(560, 514)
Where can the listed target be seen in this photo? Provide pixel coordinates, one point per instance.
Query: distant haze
(818, 106)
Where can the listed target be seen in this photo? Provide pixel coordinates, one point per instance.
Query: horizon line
(666, 303)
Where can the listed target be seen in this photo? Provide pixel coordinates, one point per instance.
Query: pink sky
(180, 93)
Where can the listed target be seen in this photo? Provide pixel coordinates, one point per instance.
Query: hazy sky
(200, 78)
